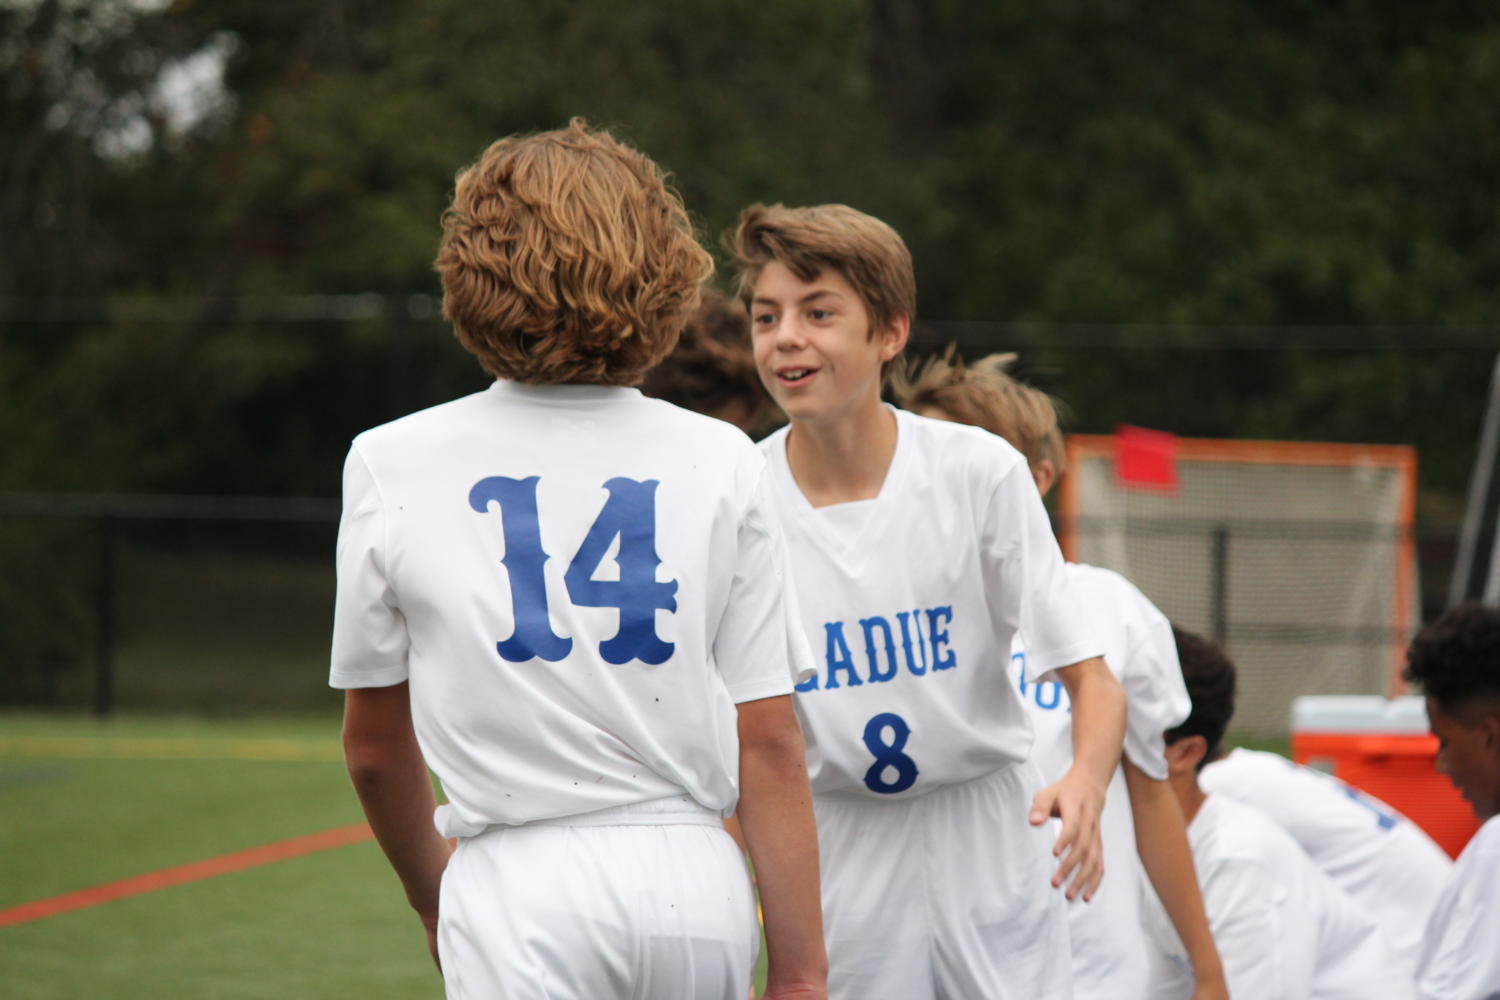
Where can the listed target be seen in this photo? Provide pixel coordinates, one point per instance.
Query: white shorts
(943, 897)
(646, 902)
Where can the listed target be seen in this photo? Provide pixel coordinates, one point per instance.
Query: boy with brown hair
(919, 548)
(1141, 814)
(591, 721)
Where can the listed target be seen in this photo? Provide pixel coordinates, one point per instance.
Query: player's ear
(1489, 727)
(1045, 474)
(1183, 755)
(894, 335)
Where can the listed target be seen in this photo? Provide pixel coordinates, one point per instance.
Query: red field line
(281, 850)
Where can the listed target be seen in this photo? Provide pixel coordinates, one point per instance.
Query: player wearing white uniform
(1283, 929)
(1456, 660)
(1382, 860)
(919, 548)
(1108, 946)
(570, 602)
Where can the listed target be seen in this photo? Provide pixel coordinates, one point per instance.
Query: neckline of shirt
(562, 394)
(894, 472)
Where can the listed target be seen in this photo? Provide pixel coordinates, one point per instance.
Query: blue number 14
(629, 514)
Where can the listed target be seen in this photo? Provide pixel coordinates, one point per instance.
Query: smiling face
(1469, 754)
(814, 348)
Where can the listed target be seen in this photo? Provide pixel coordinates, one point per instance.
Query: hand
(1077, 801)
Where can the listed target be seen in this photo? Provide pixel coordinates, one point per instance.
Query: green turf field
(85, 803)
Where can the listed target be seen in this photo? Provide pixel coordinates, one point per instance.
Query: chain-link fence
(224, 605)
(166, 603)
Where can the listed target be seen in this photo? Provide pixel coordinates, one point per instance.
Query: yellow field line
(183, 748)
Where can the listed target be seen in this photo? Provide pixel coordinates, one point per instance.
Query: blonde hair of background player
(985, 395)
(567, 258)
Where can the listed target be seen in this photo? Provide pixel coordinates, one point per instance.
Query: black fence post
(1221, 583)
(104, 681)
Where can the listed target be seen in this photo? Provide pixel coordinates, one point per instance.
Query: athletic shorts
(645, 902)
(943, 897)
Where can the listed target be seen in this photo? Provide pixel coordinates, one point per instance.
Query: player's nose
(789, 334)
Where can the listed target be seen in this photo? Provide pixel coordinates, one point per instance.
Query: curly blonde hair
(567, 258)
(986, 395)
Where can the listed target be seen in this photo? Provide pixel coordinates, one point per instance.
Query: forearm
(776, 817)
(1161, 840)
(1098, 723)
(394, 789)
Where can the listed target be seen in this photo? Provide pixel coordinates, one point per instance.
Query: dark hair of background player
(1210, 678)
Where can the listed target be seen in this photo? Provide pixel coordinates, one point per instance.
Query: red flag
(1145, 459)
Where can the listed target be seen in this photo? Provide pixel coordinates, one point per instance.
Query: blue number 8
(889, 755)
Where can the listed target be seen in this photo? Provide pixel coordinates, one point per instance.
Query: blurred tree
(1199, 166)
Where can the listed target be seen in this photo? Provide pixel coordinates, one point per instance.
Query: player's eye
(763, 319)
(819, 314)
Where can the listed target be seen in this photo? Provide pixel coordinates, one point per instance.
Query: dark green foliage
(1193, 170)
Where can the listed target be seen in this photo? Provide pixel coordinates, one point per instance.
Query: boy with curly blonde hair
(567, 600)
(919, 548)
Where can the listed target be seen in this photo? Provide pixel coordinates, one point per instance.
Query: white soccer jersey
(1283, 929)
(1383, 861)
(1460, 955)
(913, 598)
(1108, 947)
(579, 583)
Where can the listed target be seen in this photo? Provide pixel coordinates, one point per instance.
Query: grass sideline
(89, 803)
(95, 802)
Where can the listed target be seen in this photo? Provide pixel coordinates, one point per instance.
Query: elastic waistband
(674, 810)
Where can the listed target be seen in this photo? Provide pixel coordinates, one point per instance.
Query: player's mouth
(793, 377)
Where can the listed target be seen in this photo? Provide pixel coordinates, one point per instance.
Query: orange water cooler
(1382, 746)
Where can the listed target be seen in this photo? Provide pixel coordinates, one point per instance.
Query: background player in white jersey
(1108, 947)
(1383, 860)
(1456, 660)
(919, 548)
(1283, 929)
(567, 599)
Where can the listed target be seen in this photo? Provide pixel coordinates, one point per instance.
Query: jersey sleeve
(760, 648)
(1156, 698)
(1053, 620)
(370, 640)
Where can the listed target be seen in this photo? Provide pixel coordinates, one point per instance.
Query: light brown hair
(567, 258)
(869, 254)
(712, 369)
(986, 395)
